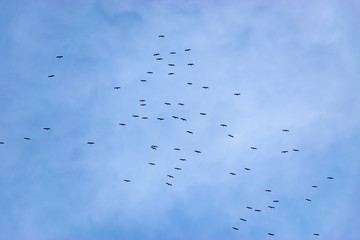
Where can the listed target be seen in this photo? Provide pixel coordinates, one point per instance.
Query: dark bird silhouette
(171, 65)
(314, 186)
(127, 180)
(254, 148)
(160, 119)
(316, 234)
(175, 117)
(143, 80)
(307, 199)
(223, 125)
(156, 54)
(285, 130)
(177, 168)
(189, 132)
(204, 87)
(237, 94)
(271, 207)
(172, 52)
(184, 119)
(235, 228)
(189, 83)
(151, 163)
(90, 143)
(59, 56)
(142, 100)
(144, 118)
(203, 114)
(169, 184)
(257, 210)
(190, 64)
(248, 169)
(167, 103)
(330, 178)
(52, 75)
(268, 190)
(116, 87)
(197, 151)
(187, 50)
(170, 73)
(177, 149)
(243, 219)
(284, 151)
(270, 234)
(182, 159)
(159, 59)
(161, 35)
(122, 124)
(181, 104)
(143, 104)
(149, 72)
(276, 201)
(249, 207)
(233, 173)
(154, 147)
(170, 176)
(230, 135)
(46, 128)
(135, 115)
(26, 138)
(295, 150)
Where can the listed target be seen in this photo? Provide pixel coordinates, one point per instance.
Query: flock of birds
(155, 147)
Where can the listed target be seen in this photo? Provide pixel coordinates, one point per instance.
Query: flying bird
(314, 186)
(52, 75)
(142, 100)
(257, 210)
(167, 103)
(285, 130)
(189, 83)
(271, 207)
(268, 190)
(203, 114)
(143, 80)
(190, 64)
(230, 135)
(284, 151)
(149, 72)
(135, 115)
(248, 169)
(184, 119)
(26, 138)
(116, 87)
(181, 104)
(171, 65)
(253, 148)
(189, 132)
(197, 151)
(143, 104)
(144, 118)
(187, 50)
(223, 125)
(177, 168)
(159, 59)
(59, 56)
(177, 149)
(170, 176)
(307, 199)
(243, 219)
(169, 184)
(90, 143)
(233, 173)
(2, 143)
(235, 228)
(237, 94)
(175, 117)
(330, 178)
(161, 35)
(316, 234)
(295, 150)
(151, 163)
(126, 180)
(204, 87)
(156, 54)
(249, 207)
(172, 52)
(271, 234)
(276, 201)
(160, 119)
(46, 128)
(170, 73)
(182, 159)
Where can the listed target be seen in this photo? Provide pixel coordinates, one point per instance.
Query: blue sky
(295, 64)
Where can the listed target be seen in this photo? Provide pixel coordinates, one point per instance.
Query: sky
(295, 63)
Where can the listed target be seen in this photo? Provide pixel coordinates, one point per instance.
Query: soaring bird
(149, 72)
(268, 190)
(257, 210)
(203, 114)
(237, 94)
(233, 173)
(135, 115)
(90, 143)
(271, 234)
(190, 64)
(171, 65)
(189, 132)
(52, 75)
(170, 73)
(249, 207)
(159, 59)
(187, 50)
(161, 35)
(170, 176)
(172, 52)
(144, 118)
(177, 149)
(181, 104)
(184, 119)
(271, 207)
(307, 199)
(167, 103)
(175, 117)
(330, 178)
(248, 169)
(223, 125)
(205, 87)
(59, 56)
(151, 163)
(177, 168)
(316, 234)
(182, 159)
(276, 201)
(156, 54)
(122, 124)
(26, 138)
(189, 83)
(243, 219)
(295, 150)
(142, 100)
(116, 87)
(197, 151)
(169, 184)
(285, 130)
(284, 151)
(127, 180)
(143, 80)
(160, 119)
(314, 186)
(46, 128)
(254, 148)
(143, 104)
(230, 135)
(235, 228)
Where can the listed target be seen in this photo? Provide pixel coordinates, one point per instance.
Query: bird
(189, 83)
(271, 234)
(154, 147)
(307, 199)
(249, 207)
(177, 149)
(295, 150)
(190, 64)
(271, 207)
(177, 168)
(142, 100)
(187, 50)
(169, 184)
(233, 173)
(268, 190)
(237, 94)
(248, 169)
(149, 72)
(230, 135)
(181, 104)
(26, 138)
(171, 65)
(143, 80)
(161, 36)
(204, 87)
(223, 125)
(254, 148)
(243, 219)
(167, 103)
(116, 87)
(330, 178)
(46, 128)
(257, 210)
(175, 117)
(189, 132)
(2, 143)
(182, 159)
(184, 119)
(59, 56)
(203, 114)
(144, 118)
(151, 163)
(160, 119)
(172, 52)
(284, 151)
(135, 115)
(314, 186)
(235, 228)
(52, 75)
(171, 73)
(285, 130)
(156, 54)
(170, 176)
(276, 201)
(127, 180)
(316, 234)
(159, 59)
(90, 143)
(197, 151)
(143, 104)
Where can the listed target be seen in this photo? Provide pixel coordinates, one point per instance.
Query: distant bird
(159, 59)
(2, 143)
(181, 104)
(330, 178)
(135, 115)
(46, 128)
(170, 176)
(268, 190)
(190, 64)
(284, 151)
(177, 168)
(204, 87)
(151, 163)
(184, 119)
(167, 103)
(171, 65)
(172, 52)
(154, 147)
(177, 149)
(295, 150)
(189, 132)
(243, 219)
(257, 210)
(144, 118)
(197, 151)
(59, 56)
(237, 94)
(182, 159)
(122, 124)
(223, 125)
(156, 54)
(285, 130)
(149, 72)
(187, 50)
(230, 135)
(233, 173)
(169, 184)
(26, 138)
(52, 75)
(161, 36)
(116, 87)
(90, 143)
(203, 114)
(271, 207)
(248, 169)
(175, 117)
(142, 100)
(271, 234)
(143, 80)
(170, 73)
(235, 228)
(276, 201)
(316, 234)
(160, 119)
(143, 104)
(314, 186)
(254, 148)
(307, 199)
(249, 207)
(126, 180)
(189, 83)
